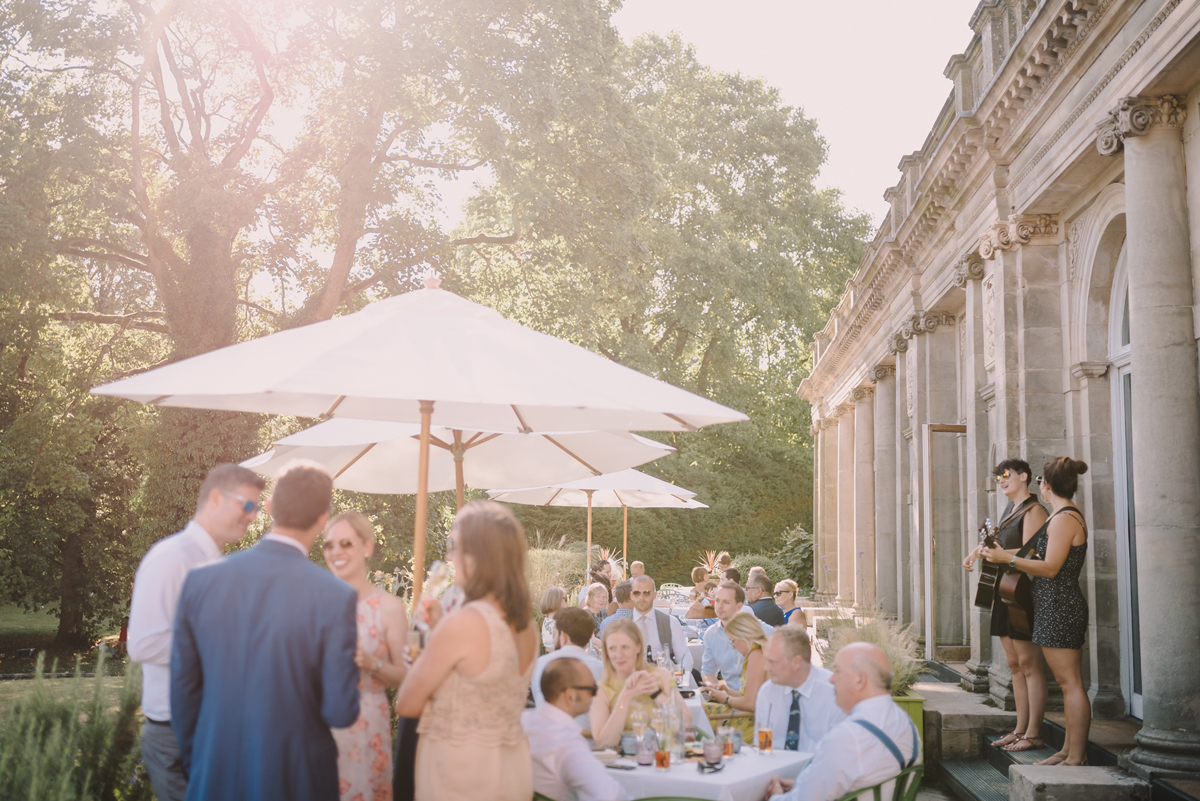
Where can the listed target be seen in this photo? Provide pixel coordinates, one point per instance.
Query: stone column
(845, 525)
(903, 512)
(886, 499)
(864, 499)
(818, 436)
(829, 509)
(1166, 426)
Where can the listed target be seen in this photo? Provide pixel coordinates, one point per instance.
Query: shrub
(776, 571)
(796, 555)
(895, 640)
(560, 565)
(76, 747)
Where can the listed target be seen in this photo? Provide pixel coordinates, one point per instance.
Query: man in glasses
(228, 503)
(759, 597)
(563, 764)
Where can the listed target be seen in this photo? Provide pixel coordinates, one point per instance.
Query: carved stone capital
(813, 430)
(1088, 370)
(844, 409)
(931, 320)
(1024, 227)
(897, 343)
(826, 423)
(994, 239)
(861, 394)
(880, 372)
(1135, 116)
(968, 268)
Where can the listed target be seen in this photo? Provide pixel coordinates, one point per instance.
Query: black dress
(1061, 611)
(1010, 537)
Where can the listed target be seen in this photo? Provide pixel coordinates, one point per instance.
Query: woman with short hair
(596, 602)
(1060, 609)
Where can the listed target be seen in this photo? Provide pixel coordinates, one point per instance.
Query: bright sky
(869, 72)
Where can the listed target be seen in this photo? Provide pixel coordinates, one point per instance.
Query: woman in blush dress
(469, 684)
(365, 748)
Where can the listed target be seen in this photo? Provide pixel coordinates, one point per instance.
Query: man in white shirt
(719, 653)
(657, 627)
(229, 501)
(798, 703)
(872, 746)
(573, 631)
(563, 766)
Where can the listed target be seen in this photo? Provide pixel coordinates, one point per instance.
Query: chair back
(908, 782)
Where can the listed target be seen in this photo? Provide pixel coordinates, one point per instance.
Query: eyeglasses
(782, 592)
(344, 544)
(248, 506)
(591, 689)
(1040, 481)
(1002, 476)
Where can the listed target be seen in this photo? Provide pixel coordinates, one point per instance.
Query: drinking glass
(646, 747)
(662, 759)
(414, 644)
(725, 735)
(658, 722)
(637, 722)
(765, 736)
(714, 750)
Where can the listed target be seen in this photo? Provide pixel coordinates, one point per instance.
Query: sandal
(1030, 744)
(1008, 739)
(1054, 760)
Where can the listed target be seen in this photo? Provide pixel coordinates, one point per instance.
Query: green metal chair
(540, 797)
(907, 784)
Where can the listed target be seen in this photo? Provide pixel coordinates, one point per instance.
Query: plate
(607, 756)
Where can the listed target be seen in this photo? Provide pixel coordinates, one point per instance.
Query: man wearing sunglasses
(563, 765)
(228, 504)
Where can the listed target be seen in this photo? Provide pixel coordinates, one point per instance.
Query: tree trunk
(71, 632)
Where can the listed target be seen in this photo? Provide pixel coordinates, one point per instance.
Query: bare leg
(1020, 694)
(1065, 662)
(1030, 656)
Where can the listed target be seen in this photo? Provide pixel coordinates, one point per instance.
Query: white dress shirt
(647, 624)
(570, 649)
(156, 588)
(720, 655)
(851, 758)
(563, 766)
(285, 539)
(819, 712)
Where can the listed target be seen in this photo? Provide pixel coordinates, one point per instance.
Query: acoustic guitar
(989, 572)
(1016, 590)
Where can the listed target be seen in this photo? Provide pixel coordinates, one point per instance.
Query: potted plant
(901, 649)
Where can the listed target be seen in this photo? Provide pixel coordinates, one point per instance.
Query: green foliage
(896, 641)
(796, 556)
(561, 565)
(74, 747)
(776, 571)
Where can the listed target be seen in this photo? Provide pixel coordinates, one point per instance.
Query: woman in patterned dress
(1060, 609)
(365, 748)
(469, 684)
(748, 638)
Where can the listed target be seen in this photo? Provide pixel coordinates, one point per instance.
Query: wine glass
(658, 722)
(637, 721)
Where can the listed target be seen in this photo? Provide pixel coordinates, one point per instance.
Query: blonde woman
(629, 682)
(365, 749)
(748, 638)
(785, 596)
(596, 602)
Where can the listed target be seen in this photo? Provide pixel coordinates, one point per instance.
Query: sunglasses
(248, 506)
(1002, 476)
(591, 689)
(642, 593)
(344, 544)
(782, 592)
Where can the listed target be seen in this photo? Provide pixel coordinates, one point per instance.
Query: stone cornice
(881, 371)
(1136, 116)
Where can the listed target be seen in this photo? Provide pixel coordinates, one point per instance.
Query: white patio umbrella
(431, 357)
(624, 488)
(381, 457)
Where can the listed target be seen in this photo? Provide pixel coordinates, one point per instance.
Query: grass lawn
(20, 629)
(58, 690)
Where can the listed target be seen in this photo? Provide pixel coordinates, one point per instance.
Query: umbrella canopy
(381, 457)
(625, 488)
(432, 357)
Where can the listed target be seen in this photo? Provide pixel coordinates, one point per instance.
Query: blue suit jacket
(262, 665)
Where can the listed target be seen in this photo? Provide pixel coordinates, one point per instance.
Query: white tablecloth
(745, 777)
(696, 649)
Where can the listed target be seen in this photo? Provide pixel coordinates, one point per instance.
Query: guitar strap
(1019, 512)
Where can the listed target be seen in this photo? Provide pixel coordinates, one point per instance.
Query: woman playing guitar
(1020, 521)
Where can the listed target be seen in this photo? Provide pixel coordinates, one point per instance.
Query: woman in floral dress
(365, 748)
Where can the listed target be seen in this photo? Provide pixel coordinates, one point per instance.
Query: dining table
(744, 777)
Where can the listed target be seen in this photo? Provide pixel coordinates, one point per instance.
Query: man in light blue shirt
(622, 594)
(719, 653)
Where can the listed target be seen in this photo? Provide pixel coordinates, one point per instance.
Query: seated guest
(732, 574)
(601, 574)
(724, 562)
(785, 595)
(637, 569)
(574, 628)
(563, 766)
(623, 593)
(553, 599)
(719, 654)
(701, 607)
(757, 570)
(746, 635)
(873, 745)
(662, 632)
(628, 682)
(699, 577)
(797, 704)
(758, 594)
(595, 602)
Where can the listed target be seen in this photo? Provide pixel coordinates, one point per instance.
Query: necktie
(792, 743)
(645, 633)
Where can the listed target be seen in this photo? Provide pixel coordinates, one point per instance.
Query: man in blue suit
(263, 660)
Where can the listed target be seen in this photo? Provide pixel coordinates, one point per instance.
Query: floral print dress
(365, 748)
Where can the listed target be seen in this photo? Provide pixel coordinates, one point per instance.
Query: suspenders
(891, 746)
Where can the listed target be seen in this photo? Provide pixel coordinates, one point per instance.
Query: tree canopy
(185, 174)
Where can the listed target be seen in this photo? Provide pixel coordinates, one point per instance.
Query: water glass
(714, 750)
(646, 746)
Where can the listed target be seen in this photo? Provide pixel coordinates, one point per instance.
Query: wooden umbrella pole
(422, 504)
(457, 451)
(589, 542)
(625, 538)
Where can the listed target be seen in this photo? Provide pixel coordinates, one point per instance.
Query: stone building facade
(1033, 293)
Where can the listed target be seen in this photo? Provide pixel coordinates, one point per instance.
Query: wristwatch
(654, 695)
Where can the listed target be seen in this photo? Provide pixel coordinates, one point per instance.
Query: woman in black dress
(1060, 610)
(1019, 522)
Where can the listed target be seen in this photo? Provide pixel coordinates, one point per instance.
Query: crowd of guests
(265, 674)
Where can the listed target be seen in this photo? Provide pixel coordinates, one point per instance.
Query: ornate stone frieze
(968, 268)
(1135, 116)
(861, 394)
(881, 371)
(1074, 234)
(910, 382)
(1018, 229)
(989, 322)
